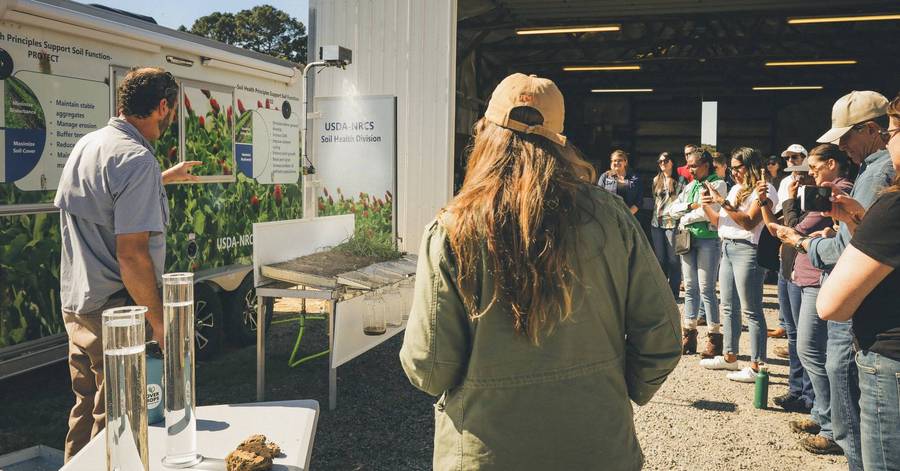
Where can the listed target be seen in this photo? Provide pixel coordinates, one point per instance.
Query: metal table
(290, 424)
(281, 289)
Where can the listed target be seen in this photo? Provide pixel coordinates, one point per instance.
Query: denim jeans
(789, 297)
(879, 403)
(844, 382)
(664, 248)
(699, 268)
(742, 278)
(812, 341)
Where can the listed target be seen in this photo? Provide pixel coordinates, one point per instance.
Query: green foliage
(373, 234)
(262, 28)
(29, 278)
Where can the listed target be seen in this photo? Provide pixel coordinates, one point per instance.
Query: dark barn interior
(687, 51)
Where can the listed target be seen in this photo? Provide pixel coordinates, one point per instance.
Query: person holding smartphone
(827, 165)
(700, 265)
(863, 287)
(739, 221)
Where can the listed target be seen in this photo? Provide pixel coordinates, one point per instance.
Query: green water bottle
(761, 394)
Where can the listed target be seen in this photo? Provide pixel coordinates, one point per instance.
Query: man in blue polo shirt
(858, 120)
(113, 218)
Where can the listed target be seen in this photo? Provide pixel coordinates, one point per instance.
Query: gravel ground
(698, 421)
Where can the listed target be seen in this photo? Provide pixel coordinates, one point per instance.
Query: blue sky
(174, 13)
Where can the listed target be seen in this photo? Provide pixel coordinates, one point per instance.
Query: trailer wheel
(209, 331)
(240, 313)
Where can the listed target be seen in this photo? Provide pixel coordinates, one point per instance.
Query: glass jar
(393, 303)
(373, 319)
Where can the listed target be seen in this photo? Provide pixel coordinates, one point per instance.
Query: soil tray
(329, 269)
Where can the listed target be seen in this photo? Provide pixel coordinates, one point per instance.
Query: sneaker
(792, 403)
(746, 375)
(821, 445)
(701, 321)
(782, 352)
(805, 425)
(719, 363)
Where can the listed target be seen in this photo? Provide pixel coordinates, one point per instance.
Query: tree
(262, 28)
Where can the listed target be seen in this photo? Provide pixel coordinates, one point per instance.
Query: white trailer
(239, 112)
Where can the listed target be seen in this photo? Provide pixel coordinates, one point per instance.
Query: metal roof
(684, 46)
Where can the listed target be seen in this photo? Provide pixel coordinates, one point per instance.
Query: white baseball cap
(852, 109)
(795, 149)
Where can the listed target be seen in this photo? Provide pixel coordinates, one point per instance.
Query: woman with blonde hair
(539, 309)
(740, 222)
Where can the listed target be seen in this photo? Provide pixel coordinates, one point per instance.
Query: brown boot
(713, 346)
(688, 341)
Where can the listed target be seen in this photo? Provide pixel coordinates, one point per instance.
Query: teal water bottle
(761, 394)
(155, 397)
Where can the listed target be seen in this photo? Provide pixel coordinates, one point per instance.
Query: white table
(290, 424)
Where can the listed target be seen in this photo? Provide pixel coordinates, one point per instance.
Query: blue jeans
(844, 381)
(699, 268)
(742, 278)
(879, 403)
(664, 248)
(812, 341)
(789, 297)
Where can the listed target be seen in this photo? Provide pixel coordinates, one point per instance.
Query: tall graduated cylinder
(181, 421)
(124, 371)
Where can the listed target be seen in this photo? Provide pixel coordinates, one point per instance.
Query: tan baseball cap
(852, 109)
(534, 92)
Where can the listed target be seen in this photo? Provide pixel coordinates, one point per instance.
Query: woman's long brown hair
(514, 215)
(754, 171)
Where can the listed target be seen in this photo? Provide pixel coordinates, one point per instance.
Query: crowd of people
(833, 264)
(538, 305)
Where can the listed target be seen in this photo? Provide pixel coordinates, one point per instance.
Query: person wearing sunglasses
(700, 264)
(666, 187)
(739, 221)
(863, 288)
(859, 120)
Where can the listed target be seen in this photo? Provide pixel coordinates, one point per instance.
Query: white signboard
(355, 146)
(709, 120)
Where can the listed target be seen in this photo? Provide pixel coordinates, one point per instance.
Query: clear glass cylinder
(407, 287)
(178, 376)
(373, 319)
(125, 383)
(394, 309)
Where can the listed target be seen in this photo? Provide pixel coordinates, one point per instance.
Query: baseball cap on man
(795, 149)
(534, 92)
(852, 109)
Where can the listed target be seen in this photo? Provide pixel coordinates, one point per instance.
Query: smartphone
(704, 189)
(815, 198)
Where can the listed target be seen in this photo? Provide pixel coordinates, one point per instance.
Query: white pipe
(310, 208)
(305, 158)
(80, 19)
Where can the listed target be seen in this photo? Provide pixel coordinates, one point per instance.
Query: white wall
(405, 48)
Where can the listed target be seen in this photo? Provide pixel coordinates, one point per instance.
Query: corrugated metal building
(405, 48)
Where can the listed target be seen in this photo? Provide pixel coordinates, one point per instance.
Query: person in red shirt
(684, 171)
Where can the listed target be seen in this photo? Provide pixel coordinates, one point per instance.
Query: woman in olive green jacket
(539, 309)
